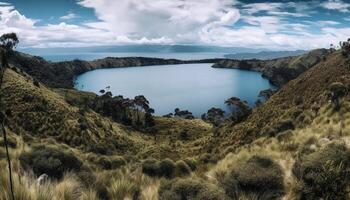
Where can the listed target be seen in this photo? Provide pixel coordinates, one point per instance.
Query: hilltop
(292, 145)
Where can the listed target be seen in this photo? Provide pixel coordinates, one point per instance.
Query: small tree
(8, 42)
(345, 48)
(337, 91)
(239, 109)
(215, 116)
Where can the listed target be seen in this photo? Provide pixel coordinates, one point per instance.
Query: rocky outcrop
(281, 70)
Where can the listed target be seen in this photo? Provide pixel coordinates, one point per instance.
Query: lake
(193, 87)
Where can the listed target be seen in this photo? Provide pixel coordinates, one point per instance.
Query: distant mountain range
(239, 53)
(264, 55)
(142, 49)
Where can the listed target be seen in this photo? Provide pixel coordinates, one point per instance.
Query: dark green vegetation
(324, 173)
(294, 146)
(50, 161)
(258, 176)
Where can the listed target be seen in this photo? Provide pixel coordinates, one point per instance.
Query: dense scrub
(325, 173)
(258, 177)
(194, 189)
(50, 161)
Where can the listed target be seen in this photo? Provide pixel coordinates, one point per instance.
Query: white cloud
(336, 5)
(160, 18)
(69, 16)
(210, 22)
(275, 9)
(327, 22)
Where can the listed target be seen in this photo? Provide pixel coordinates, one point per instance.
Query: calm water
(194, 87)
(93, 56)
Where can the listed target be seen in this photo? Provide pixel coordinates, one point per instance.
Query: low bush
(325, 173)
(50, 161)
(167, 168)
(191, 189)
(109, 163)
(151, 167)
(258, 176)
(182, 169)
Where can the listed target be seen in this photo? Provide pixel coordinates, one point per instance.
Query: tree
(215, 116)
(142, 105)
(8, 42)
(239, 109)
(345, 48)
(337, 91)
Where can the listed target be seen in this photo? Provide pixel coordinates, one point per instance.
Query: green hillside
(295, 146)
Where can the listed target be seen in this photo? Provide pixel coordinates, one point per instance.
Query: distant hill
(265, 55)
(141, 49)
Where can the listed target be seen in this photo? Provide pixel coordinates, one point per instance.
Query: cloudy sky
(236, 23)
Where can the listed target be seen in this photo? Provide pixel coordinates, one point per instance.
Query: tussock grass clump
(182, 169)
(165, 168)
(194, 189)
(69, 188)
(258, 176)
(324, 173)
(110, 163)
(192, 163)
(150, 167)
(50, 161)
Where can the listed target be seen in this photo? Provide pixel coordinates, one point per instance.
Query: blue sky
(246, 23)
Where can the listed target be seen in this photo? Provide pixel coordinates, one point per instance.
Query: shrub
(182, 169)
(284, 125)
(324, 173)
(150, 167)
(337, 91)
(167, 168)
(109, 163)
(258, 176)
(50, 161)
(36, 83)
(194, 189)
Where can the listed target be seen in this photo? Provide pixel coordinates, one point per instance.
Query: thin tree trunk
(4, 65)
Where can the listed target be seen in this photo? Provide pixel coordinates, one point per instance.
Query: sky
(275, 25)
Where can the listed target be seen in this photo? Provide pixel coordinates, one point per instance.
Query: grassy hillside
(295, 146)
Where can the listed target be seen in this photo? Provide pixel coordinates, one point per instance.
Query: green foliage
(337, 91)
(325, 173)
(259, 176)
(167, 168)
(215, 116)
(191, 189)
(240, 110)
(9, 41)
(109, 163)
(50, 161)
(150, 167)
